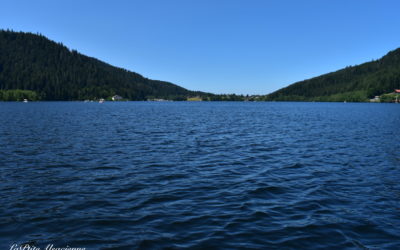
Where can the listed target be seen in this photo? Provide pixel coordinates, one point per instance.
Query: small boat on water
(101, 100)
(25, 100)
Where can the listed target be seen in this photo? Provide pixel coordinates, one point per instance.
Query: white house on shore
(375, 99)
(117, 98)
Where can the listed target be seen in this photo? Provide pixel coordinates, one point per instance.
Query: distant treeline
(356, 83)
(36, 68)
(54, 72)
(18, 95)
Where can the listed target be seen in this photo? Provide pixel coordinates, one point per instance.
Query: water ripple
(200, 175)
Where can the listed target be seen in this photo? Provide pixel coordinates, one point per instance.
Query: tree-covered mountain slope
(53, 72)
(356, 83)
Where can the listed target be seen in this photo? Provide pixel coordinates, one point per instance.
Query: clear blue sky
(220, 46)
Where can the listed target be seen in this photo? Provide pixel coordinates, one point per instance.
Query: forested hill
(356, 83)
(53, 72)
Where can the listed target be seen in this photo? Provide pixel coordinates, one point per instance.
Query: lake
(152, 175)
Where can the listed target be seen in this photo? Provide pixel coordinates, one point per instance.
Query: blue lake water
(153, 175)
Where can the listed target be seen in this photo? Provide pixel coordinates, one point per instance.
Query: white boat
(101, 100)
(25, 100)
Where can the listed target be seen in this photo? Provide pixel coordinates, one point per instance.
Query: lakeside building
(375, 99)
(117, 98)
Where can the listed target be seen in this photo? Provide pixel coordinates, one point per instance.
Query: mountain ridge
(35, 67)
(54, 72)
(352, 83)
